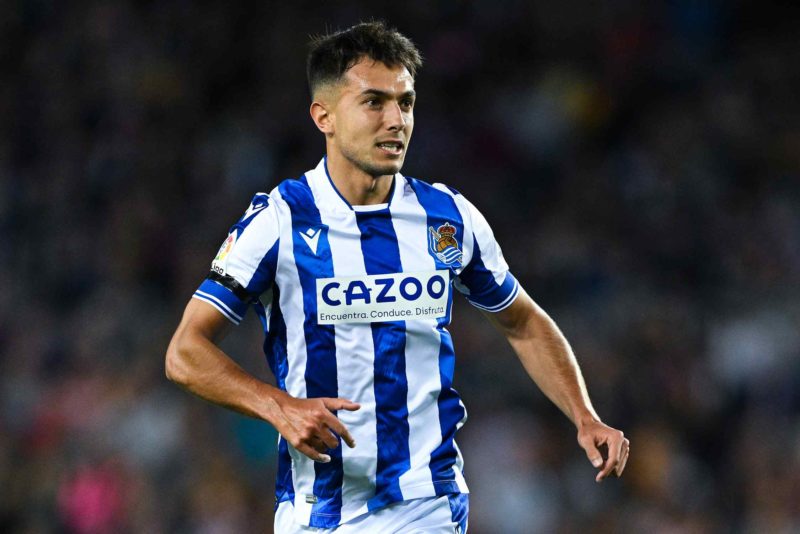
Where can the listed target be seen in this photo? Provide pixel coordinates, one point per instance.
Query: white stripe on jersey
(422, 355)
(355, 359)
(491, 255)
(262, 232)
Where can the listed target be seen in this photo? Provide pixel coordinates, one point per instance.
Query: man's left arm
(550, 362)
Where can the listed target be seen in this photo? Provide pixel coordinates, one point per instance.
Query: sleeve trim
(502, 305)
(219, 305)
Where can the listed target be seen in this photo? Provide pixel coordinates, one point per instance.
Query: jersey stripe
(440, 207)
(320, 373)
(277, 357)
(287, 279)
(452, 416)
(422, 352)
(264, 274)
(382, 256)
(356, 361)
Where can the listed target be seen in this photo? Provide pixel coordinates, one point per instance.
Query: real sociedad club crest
(443, 244)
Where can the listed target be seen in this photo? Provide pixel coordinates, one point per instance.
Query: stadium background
(639, 163)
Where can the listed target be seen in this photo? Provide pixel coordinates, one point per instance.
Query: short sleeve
(485, 280)
(246, 263)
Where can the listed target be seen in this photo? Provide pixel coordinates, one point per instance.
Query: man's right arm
(195, 362)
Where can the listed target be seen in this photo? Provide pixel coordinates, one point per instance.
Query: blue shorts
(447, 514)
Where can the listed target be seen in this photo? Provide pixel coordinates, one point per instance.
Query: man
(351, 269)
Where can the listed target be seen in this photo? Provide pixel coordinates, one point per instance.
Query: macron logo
(311, 237)
(253, 210)
(259, 203)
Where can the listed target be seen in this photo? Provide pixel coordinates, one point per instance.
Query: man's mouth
(392, 147)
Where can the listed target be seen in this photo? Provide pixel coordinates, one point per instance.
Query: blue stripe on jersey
(284, 489)
(382, 256)
(440, 208)
(265, 272)
(320, 374)
(275, 348)
(451, 412)
(222, 299)
(459, 511)
(484, 292)
(275, 345)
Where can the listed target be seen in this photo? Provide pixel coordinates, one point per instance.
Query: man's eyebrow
(385, 94)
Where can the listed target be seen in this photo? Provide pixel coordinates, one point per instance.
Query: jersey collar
(328, 197)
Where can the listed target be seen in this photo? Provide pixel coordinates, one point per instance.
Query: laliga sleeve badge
(221, 260)
(444, 246)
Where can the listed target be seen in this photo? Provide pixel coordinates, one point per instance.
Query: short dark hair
(331, 55)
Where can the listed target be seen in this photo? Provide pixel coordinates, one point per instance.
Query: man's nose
(395, 120)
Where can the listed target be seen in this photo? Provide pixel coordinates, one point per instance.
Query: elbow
(175, 362)
(170, 367)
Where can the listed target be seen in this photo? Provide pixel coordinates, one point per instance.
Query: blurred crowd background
(639, 162)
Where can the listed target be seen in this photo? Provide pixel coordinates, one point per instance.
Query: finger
(327, 439)
(621, 467)
(313, 453)
(624, 458)
(323, 444)
(340, 404)
(607, 468)
(592, 452)
(614, 452)
(337, 426)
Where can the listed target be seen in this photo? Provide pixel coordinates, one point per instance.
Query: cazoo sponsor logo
(382, 297)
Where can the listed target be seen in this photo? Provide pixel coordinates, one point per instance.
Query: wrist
(585, 418)
(272, 402)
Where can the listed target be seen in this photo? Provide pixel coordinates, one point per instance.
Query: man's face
(372, 116)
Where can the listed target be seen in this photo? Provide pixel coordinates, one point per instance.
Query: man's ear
(322, 117)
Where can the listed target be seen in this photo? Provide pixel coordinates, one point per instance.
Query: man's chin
(383, 169)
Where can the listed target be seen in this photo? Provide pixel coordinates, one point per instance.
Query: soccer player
(351, 269)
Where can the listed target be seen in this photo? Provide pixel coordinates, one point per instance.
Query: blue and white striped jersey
(355, 301)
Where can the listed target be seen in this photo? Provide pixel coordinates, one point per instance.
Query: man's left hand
(594, 434)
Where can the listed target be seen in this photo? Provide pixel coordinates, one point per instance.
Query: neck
(356, 186)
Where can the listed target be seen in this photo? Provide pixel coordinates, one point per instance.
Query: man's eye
(372, 102)
(408, 103)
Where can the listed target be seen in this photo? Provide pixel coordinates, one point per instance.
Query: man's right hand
(309, 424)
(195, 362)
